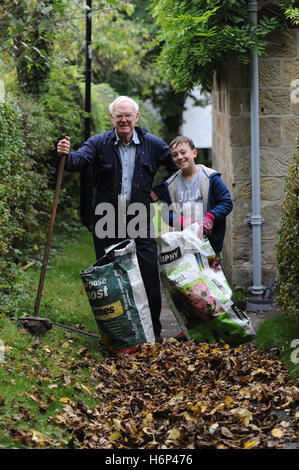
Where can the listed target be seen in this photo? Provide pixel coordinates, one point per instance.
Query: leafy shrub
(13, 187)
(63, 107)
(45, 120)
(288, 244)
(29, 131)
(22, 199)
(197, 36)
(63, 104)
(37, 134)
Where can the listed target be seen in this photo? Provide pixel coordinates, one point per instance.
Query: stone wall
(231, 153)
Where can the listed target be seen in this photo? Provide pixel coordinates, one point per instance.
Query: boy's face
(183, 156)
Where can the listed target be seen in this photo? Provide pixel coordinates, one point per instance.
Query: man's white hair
(120, 99)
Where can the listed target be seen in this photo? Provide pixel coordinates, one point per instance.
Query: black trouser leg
(151, 280)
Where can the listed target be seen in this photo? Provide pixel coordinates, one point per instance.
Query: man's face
(183, 156)
(124, 118)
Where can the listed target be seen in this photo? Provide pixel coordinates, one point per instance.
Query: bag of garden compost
(197, 291)
(117, 297)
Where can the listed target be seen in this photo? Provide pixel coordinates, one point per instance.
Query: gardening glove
(185, 221)
(207, 224)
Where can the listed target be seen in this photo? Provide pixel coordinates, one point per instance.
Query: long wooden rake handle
(49, 235)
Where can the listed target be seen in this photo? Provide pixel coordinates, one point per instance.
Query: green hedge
(287, 294)
(29, 131)
(24, 194)
(12, 186)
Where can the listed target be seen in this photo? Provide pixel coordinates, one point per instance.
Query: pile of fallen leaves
(187, 396)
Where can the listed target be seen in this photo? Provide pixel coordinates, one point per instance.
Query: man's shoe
(158, 339)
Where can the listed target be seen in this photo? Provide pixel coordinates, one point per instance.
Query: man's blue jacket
(102, 154)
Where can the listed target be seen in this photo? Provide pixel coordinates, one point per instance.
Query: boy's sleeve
(220, 198)
(168, 216)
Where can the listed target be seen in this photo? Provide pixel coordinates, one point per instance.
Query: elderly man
(125, 161)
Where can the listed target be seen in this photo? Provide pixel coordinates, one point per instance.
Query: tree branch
(58, 20)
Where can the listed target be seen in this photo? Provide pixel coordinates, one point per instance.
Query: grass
(64, 298)
(36, 381)
(281, 333)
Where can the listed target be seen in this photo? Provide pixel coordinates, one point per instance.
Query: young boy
(195, 193)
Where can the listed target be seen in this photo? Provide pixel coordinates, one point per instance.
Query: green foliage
(122, 49)
(11, 188)
(24, 196)
(29, 129)
(171, 106)
(27, 37)
(239, 297)
(278, 333)
(34, 388)
(149, 120)
(198, 35)
(18, 184)
(63, 107)
(288, 244)
(63, 103)
(101, 96)
(292, 14)
(64, 299)
(36, 33)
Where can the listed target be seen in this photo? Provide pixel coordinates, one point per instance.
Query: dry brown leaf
(277, 432)
(182, 395)
(251, 443)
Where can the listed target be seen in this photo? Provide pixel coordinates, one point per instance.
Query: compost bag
(117, 297)
(197, 291)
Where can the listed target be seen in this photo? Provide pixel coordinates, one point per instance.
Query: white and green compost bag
(117, 297)
(197, 291)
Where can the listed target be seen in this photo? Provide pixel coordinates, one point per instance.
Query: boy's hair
(181, 139)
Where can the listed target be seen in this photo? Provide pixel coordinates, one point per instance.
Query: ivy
(288, 244)
(196, 36)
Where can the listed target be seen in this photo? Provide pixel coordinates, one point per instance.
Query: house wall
(231, 150)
